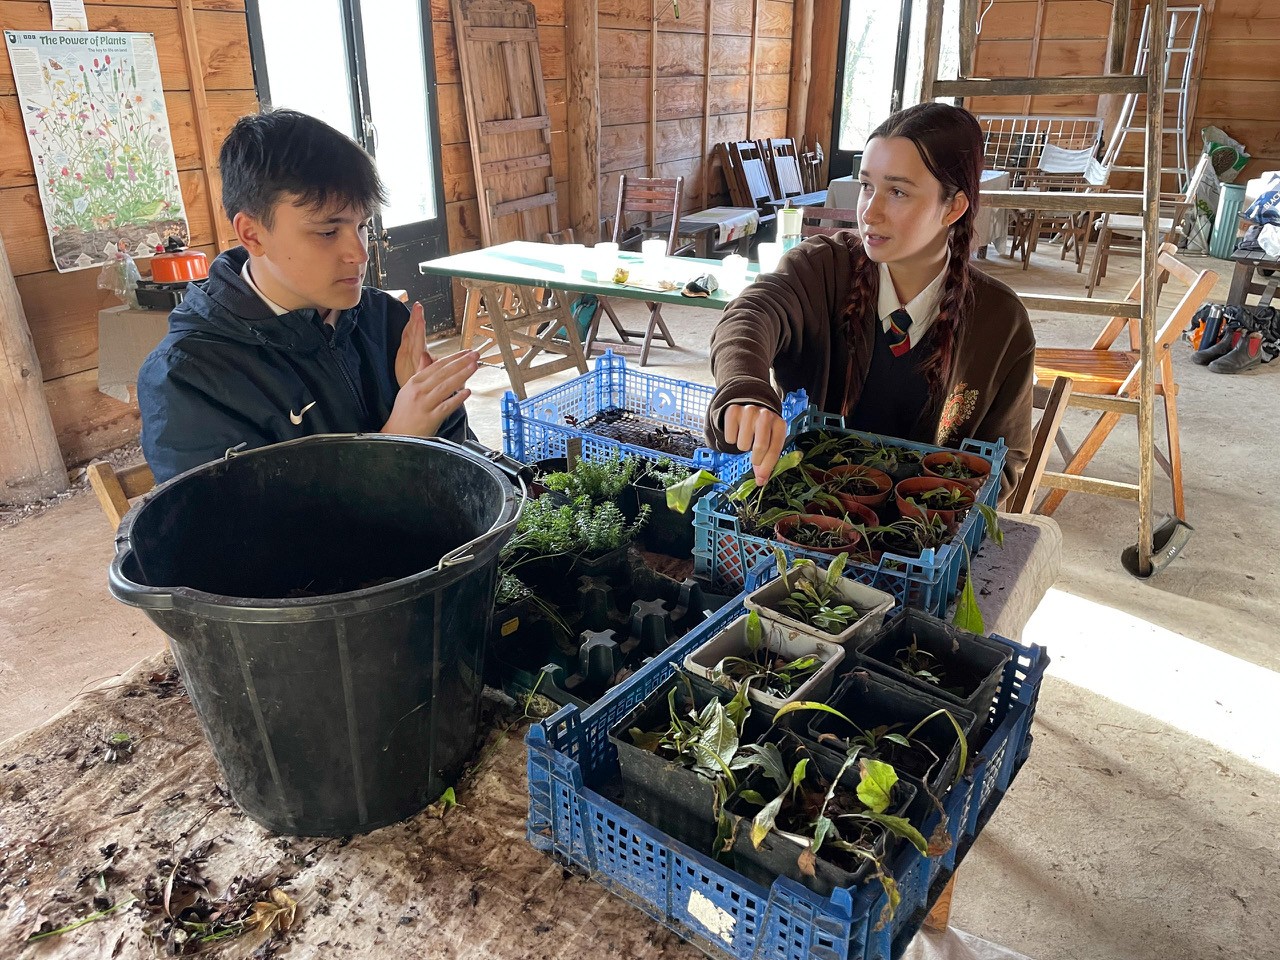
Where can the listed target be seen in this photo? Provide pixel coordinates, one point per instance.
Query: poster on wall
(93, 109)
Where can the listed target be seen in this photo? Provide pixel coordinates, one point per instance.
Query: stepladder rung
(1129, 309)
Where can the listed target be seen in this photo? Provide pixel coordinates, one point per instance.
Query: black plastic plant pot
(969, 667)
(779, 852)
(871, 701)
(667, 532)
(611, 564)
(662, 793)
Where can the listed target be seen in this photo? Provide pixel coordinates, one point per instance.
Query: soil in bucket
(335, 668)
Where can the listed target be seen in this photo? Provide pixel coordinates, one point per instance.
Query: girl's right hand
(757, 429)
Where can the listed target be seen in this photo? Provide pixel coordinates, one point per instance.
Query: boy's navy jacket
(230, 372)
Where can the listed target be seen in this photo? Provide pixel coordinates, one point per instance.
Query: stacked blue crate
(724, 555)
(716, 909)
(540, 428)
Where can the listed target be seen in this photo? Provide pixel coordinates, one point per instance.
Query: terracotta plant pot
(883, 482)
(785, 527)
(980, 466)
(915, 486)
(854, 512)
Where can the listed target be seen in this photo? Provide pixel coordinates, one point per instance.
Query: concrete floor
(1144, 825)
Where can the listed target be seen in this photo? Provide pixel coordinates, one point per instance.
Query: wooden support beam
(1039, 86)
(932, 53)
(801, 68)
(822, 92)
(1118, 39)
(653, 91)
(1053, 200)
(708, 32)
(222, 233)
(969, 13)
(1033, 58)
(751, 77)
(31, 466)
(1094, 401)
(1151, 239)
(583, 104)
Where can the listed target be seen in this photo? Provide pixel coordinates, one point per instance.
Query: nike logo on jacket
(231, 371)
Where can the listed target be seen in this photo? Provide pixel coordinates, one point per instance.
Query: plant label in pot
(779, 666)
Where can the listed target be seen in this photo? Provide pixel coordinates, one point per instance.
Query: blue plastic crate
(719, 911)
(540, 428)
(724, 556)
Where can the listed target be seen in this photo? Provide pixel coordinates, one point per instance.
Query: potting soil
(627, 427)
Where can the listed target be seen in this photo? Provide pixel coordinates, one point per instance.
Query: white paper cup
(654, 249)
(574, 258)
(606, 258)
(733, 274)
(769, 255)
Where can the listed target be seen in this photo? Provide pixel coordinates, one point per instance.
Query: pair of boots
(1239, 340)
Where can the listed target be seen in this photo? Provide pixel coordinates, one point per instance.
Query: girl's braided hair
(951, 145)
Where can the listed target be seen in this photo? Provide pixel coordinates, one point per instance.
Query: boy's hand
(413, 345)
(435, 391)
(760, 430)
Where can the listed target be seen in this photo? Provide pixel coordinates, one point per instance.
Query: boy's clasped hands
(430, 389)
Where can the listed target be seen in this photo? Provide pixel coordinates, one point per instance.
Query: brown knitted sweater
(789, 321)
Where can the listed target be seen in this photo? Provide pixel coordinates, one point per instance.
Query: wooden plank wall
(626, 66)
(62, 309)
(1239, 71)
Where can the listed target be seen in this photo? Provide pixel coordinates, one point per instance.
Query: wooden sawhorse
(522, 322)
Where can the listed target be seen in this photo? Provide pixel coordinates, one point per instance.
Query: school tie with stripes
(899, 332)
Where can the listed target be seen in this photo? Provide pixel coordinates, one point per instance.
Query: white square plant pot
(732, 642)
(766, 599)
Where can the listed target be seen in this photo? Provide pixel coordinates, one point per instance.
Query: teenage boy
(283, 340)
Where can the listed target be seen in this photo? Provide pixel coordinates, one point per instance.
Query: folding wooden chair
(648, 197)
(744, 160)
(1030, 225)
(1102, 373)
(826, 220)
(782, 163)
(115, 488)
(1122, 233)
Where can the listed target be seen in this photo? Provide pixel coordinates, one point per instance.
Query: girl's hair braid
(860, 308)
(955, 305)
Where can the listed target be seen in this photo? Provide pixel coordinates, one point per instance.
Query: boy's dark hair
(267, 155)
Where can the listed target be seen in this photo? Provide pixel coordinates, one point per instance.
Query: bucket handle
(467, 551)
(135, 594)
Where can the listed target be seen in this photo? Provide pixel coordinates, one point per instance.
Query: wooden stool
(1243, 282)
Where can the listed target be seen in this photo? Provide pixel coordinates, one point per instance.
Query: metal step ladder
(1181, 48)
(1151, 85)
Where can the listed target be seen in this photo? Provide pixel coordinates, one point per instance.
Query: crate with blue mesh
(724, 555)
(571, 761)
(616, 409)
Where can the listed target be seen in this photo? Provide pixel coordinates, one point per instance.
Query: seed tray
(571, 760)
(541, 427)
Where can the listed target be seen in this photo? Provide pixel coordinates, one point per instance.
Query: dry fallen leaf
(808, 861)
(279, 913)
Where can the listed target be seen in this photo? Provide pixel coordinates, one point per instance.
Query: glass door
(366, 68)
(881, 69)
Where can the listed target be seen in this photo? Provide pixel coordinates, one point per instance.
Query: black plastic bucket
(328, 602)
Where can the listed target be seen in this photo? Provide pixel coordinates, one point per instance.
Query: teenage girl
(889, 326)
